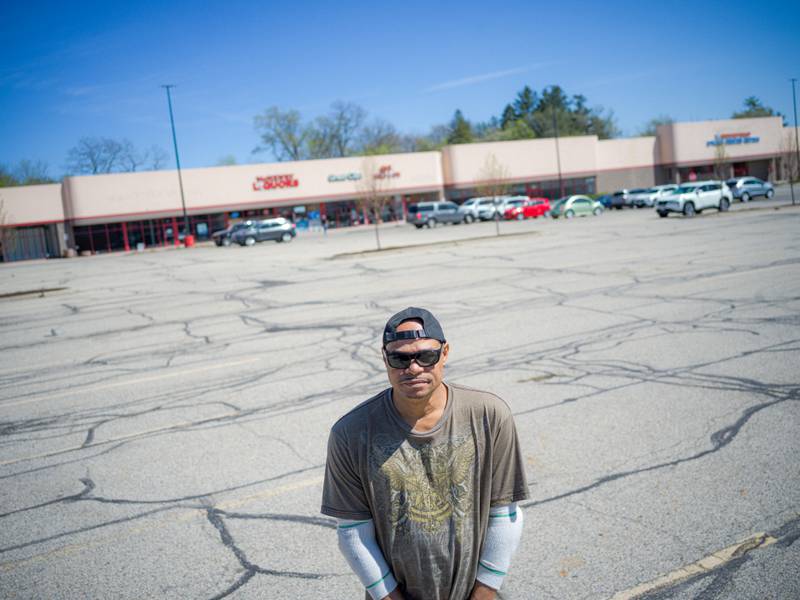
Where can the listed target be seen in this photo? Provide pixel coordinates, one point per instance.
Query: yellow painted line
(158, 522)
(704, 565)
(127, 382)
(121, 438)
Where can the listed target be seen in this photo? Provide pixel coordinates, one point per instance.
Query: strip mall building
(117, 212)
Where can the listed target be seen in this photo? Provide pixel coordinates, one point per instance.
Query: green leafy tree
(460, 130)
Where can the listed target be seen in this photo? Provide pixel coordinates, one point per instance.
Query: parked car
(619, 199)
(650, 196)
(605, 200)
(430, 214)
(746, 188)
(223, 236)
(503, 203)
(478, 209)
(632, 198)
(695, 197)
(533, 208)
(277, 230)
(575, 206)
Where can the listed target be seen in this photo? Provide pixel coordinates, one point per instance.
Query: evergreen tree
(460, 130)
(753, 107)
(509, 116)
(525, 102)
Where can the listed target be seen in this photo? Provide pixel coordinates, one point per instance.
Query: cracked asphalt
(164, 416)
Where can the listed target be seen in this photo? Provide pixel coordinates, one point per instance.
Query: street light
(177, 162)
(796, 141)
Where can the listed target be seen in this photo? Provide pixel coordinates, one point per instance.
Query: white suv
(691, 198)
(476, 209)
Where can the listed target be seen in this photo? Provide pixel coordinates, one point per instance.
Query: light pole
(796, 142)
(186, 229)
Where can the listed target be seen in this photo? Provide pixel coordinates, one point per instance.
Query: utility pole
(186, 229)
(558, 153)
(796, 142)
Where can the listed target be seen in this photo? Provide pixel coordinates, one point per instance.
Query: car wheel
(597, 212)
(745, 197)
(662, 214)
(520, 217)
(249, 241)
(770, 194)
(469, 219)
(418, 226)
(431, 223)
(724, 205)
(569, 214)
(286, 237)
(688, 209)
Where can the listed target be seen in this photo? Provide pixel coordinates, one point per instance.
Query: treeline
(347, 130)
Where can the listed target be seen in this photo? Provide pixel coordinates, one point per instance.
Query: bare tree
(372, 192)
(157, 157)
(282, 132)
(345, 121)
(8, 234)
(130, 159)
(95, 155)
(494, 183)
(720, 160)
(788, 150)
(379, 137)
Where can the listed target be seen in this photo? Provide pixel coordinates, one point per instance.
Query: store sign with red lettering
(386, 172)
(274, 182)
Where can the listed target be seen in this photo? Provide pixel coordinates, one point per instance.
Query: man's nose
(414, 367)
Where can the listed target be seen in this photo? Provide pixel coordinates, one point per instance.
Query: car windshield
(420, 208)
(684, 189)
(731, 181)
(560, 202)
(639, 191)
(652, 191)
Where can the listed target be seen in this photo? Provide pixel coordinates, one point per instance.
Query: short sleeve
(509, 483)
(343, 492)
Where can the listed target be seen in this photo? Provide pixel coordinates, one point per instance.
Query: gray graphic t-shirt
(428, 493)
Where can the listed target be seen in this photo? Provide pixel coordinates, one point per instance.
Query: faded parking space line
(704, 565)
(127, 382)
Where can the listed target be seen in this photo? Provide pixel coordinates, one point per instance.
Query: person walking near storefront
(424, 477)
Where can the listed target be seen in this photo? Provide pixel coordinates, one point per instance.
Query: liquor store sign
(274, 182)
(731, 139)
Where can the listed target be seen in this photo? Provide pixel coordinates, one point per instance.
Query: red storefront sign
(386, 172)
(274, 182)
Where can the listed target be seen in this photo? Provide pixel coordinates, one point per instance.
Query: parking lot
(164, 414)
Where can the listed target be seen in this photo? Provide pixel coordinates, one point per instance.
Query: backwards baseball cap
(430, 326)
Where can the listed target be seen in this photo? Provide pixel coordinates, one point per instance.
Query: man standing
(424, 477)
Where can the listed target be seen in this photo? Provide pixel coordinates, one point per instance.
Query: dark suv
(430, 214)
(276, 230)
(223, 236)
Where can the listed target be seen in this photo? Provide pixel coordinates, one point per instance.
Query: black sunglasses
(424, 358)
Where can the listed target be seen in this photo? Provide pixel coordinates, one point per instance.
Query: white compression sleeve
(359, 547)
(502, 538)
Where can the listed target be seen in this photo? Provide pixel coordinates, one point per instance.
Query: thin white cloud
(476, 79)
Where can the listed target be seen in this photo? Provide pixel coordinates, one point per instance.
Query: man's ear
(445, 352)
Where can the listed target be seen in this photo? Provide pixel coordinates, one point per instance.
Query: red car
(535, 207)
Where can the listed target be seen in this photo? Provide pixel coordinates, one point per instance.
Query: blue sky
(74, 69)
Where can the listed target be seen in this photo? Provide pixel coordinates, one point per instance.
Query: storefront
(128, 211)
